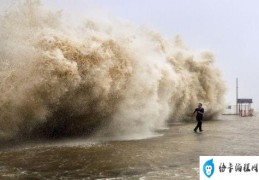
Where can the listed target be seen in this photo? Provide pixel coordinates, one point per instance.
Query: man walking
(199, 117)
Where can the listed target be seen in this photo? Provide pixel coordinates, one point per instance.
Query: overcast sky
(229, 28)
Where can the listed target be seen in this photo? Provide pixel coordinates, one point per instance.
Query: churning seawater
(62, 78)
(98, 97)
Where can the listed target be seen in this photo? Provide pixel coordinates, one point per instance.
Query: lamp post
(237, 96)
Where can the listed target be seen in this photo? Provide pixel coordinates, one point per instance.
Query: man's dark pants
(199, 124)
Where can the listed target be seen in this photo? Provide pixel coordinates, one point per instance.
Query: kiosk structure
(244, 107)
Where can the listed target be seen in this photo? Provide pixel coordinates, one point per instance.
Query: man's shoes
(201, 130)
(195, 130)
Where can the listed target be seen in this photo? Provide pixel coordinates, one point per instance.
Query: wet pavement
(173, 155)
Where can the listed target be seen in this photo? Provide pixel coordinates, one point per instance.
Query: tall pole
(236, 96)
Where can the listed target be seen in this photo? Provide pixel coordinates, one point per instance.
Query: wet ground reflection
(175, 155)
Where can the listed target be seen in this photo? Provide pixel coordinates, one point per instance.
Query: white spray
(58, 79)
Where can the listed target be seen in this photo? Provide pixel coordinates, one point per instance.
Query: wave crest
(58, 79)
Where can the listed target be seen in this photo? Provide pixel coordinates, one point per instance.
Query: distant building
(244, 107)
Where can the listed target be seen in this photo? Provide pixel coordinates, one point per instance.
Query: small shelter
(244, 107)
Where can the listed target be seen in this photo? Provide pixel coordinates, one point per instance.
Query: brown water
(105, 77)
(61, 77)
(173, 155)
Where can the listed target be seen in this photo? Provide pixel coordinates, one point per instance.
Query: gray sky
(229, 28)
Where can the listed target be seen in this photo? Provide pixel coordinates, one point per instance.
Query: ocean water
(99, 98)
(62, 78)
